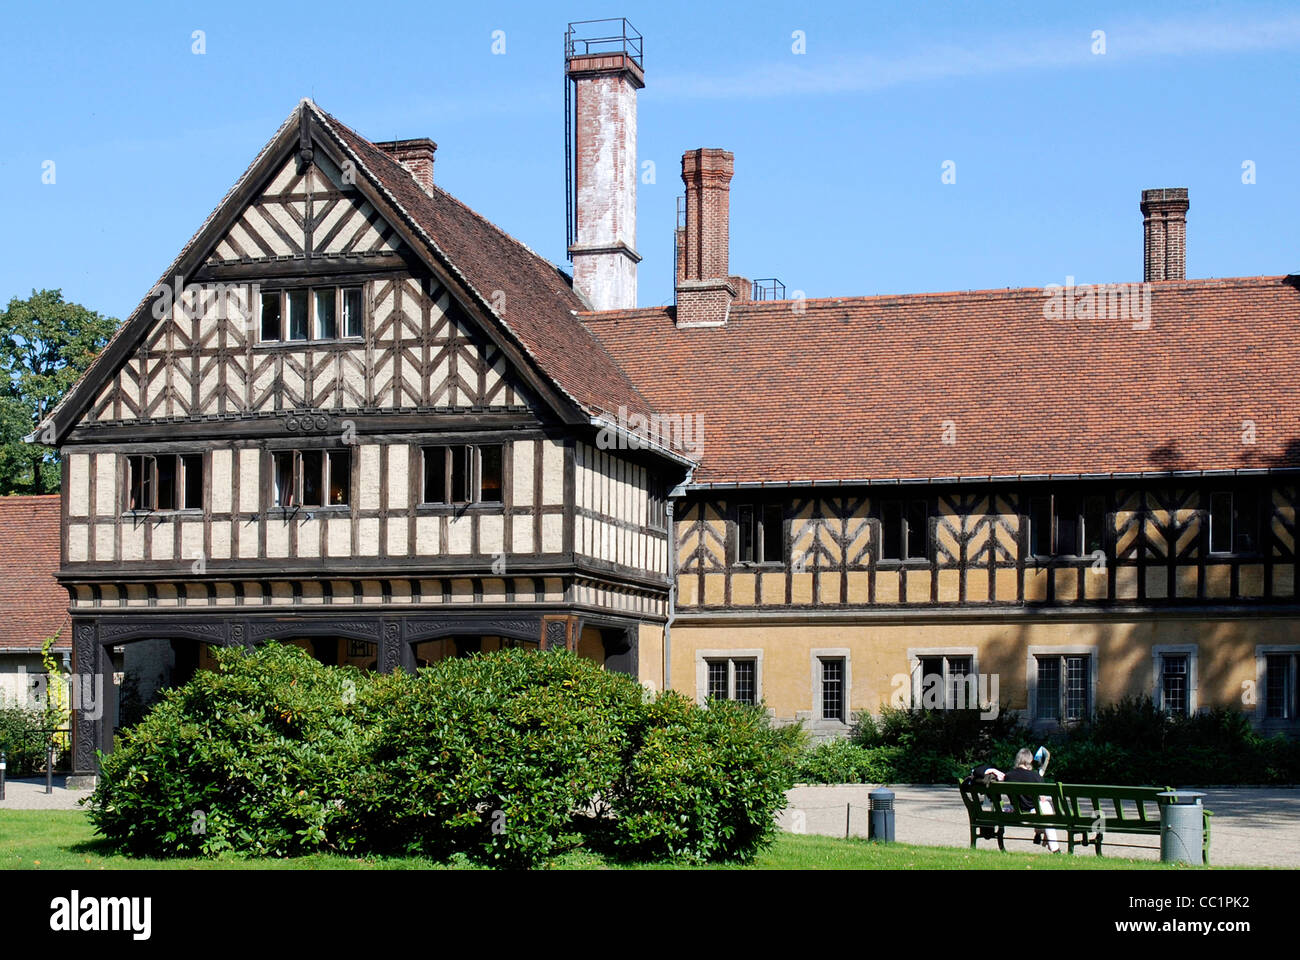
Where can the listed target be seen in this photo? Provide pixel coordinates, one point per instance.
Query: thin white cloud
(1134, 40)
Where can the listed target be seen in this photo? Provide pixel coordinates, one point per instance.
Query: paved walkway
(29, 794)
(1252, 826)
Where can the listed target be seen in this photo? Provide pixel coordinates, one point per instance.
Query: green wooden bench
(1086, 813)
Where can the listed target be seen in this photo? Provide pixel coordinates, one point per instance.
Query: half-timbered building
(356, 416)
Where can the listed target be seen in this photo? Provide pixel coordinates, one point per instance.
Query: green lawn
(64, 839)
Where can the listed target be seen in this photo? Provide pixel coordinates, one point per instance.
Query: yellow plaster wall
(650, 655)
(879, 655)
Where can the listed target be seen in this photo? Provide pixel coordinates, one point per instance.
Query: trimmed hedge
(509, 758)
(842, 761)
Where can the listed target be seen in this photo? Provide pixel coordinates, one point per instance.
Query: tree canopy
(46, 343)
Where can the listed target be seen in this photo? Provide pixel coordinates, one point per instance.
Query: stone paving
(29, 794)
(1252, 826)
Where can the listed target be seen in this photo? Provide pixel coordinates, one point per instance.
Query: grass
(65, 840)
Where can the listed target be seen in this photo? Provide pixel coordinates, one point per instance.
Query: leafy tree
(46, 343)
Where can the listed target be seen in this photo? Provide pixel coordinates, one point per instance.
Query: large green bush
(510, 758)
(701, 784)
(504, 757)
(255, 757)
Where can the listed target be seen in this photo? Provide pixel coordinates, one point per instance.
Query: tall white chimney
(603, 61)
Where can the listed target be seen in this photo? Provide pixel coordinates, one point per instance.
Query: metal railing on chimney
(614, 35)
(768, 289)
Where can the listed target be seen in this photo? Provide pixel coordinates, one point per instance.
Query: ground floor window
(1280, 686)
(833, 703)
(1064, 687)
(943, 683)
(1173, 684)
(732, 678)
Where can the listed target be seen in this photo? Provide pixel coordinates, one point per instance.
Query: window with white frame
(1174, 678)
(312, 313)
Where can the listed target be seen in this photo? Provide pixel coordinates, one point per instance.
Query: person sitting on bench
(981, 776)
(1025, 773)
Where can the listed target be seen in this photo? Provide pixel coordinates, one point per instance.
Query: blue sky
(839, 151)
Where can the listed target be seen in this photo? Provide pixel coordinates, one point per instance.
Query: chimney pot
(1164, 228)
(416, 156)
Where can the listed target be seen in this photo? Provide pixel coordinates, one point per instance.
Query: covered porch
(183, 643)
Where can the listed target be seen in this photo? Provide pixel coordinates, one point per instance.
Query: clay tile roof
(33, 607)
(862, 388)
(539, 301)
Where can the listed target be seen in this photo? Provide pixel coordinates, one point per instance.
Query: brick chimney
(416, 156)
(604, 142)
(705, 288)
(1164, 228)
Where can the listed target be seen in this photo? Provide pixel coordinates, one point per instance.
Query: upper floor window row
(315, 313)
(1077, 526)
(456, 474)
(1057, 525)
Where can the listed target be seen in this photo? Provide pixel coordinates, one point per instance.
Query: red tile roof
(32, 605)
(862, 388)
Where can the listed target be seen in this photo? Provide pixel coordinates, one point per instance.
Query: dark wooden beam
(304, 271)
(427, 426)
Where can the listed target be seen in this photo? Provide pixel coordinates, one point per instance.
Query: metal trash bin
(1181, 826)
(881, 824)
